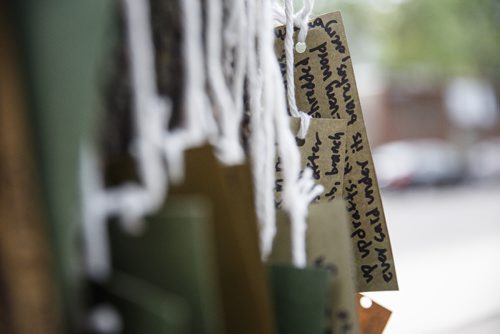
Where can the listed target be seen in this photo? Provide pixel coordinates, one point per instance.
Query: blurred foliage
(443, 37)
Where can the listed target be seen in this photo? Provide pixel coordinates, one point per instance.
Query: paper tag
(328, 246)
(242, 275)
(373, 317)
(322, 150)
(325, 87)
(250, 283)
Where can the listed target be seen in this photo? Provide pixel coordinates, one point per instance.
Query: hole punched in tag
(300, 47)
(365, 302)
(373, 317)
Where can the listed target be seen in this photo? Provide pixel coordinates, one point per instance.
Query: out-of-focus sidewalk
(446, 245)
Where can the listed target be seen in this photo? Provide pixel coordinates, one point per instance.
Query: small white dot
(365, 302)
(300, 47)
(105, 319)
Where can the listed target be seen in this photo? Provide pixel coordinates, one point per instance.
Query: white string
(198, 122)
(300, 20)
(154, 145)
(298, 191)
(231, 36)
(289, 44)
(129, 202)
(149, 114)
(229, 148)
(290, 64)
(303, 17)
(240, 56)
(262, 148)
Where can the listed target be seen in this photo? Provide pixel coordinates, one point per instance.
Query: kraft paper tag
(322, 150)
(300, 298)
(175, 253)
(328, 246)
(373, 317)
(326, 88)
(257, 315)
(243, 278)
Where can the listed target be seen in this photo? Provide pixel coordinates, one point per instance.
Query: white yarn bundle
(229, 117)
(298, 190)
(198, 121)
(158, 151)
(243, 49)
(129, 202)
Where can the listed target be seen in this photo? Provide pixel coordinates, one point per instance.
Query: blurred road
(446, 244)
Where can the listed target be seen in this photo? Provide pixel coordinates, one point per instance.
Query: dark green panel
(175, 253)
(300, 299)
(145, 309)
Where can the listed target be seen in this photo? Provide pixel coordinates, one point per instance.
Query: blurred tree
(445, 37)
(457, 37)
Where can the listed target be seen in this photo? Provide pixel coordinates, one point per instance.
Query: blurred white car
(483, 161)
(421, 162)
